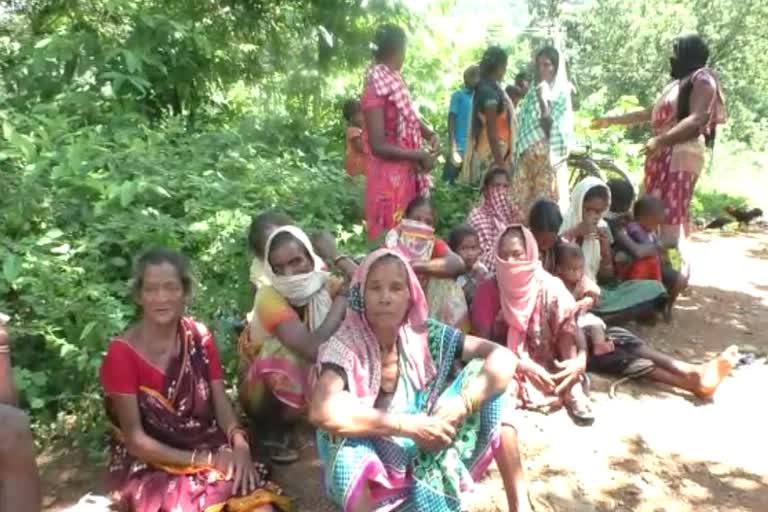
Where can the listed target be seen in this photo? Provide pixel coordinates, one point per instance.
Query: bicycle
(582, 164)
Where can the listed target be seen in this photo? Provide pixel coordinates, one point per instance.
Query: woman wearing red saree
(398, 167)
(684, 120)
(176, 444)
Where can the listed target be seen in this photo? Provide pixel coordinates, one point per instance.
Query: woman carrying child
(530, 311)
(584, 225)
(300, 309)
(436, 265)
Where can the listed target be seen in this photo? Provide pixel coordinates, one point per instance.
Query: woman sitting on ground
(545, 221)
(176, 443)
(531, 312)
(584, 225)
(436, 265)
(261, 227)
(493, 215)
(291, 317)
(617, 351)
(394, 429)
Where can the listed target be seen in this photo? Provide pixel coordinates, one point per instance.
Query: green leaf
(36, 403)
(127, 193)
(11, 267)
(87, 329)
(42, 43)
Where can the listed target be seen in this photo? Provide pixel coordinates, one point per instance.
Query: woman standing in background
(684, 121)
(398, 169)
(492, 129)
(545, 126)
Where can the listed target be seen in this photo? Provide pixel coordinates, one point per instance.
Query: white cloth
(591, 245)
(304, 289)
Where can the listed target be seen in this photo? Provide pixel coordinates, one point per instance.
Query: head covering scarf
(356, 349)
(520, 284)
(304, 289)
(590, 246)
(494, 214)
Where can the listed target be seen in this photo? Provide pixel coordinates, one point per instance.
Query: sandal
(280, 452)
(580, 411)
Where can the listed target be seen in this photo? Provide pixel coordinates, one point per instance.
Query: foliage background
(128, 124)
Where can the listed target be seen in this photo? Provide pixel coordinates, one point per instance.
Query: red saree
(182, 416)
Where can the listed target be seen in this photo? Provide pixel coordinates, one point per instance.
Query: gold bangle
(192, 460)
(210, 458)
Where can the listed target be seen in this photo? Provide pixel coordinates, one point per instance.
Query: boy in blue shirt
(459, 114)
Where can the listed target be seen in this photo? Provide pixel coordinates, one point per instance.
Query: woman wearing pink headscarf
(394, 427)
(533, 314)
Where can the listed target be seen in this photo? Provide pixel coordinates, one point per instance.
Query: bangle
(5, 349)
(210, 458)
(192, 460)
(399, 424)
(233, 430)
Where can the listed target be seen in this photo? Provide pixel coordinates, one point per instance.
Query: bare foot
(712, 373)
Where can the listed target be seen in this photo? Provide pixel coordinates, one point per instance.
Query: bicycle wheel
(582, 167)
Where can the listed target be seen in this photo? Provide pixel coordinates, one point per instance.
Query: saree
(672, 172)
(615, 297)
(538, 311)
(391, 184)
(395, 472)
(447, 302)
(542, 172)
(267, 367)
(182, 416)
(478, 157)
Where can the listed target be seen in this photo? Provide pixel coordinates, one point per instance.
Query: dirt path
(651, 449)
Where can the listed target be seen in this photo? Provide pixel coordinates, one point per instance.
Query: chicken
(719, 222)
(742, 215)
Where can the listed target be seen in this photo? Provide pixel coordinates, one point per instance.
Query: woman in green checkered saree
(397, 429)
(544, 130)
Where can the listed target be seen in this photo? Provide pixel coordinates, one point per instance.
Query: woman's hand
(425, 161)
(430, 433)
(222, 462)
(570, 371)
(540, 377)
(452, 410)
(600, 123)
(244, 474)
(434, 144)
(651, 147)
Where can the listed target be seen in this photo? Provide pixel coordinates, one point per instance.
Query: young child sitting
(569, 267)
(464, 241)
(648, 216)
(355, 160)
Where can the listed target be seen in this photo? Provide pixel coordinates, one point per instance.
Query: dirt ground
(651, 449)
